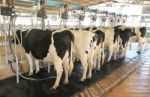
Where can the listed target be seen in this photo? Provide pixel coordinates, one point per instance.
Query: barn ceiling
(58, 3)
(54, 5)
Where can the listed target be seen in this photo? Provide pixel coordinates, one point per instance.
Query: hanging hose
(9, 43)
(14, 57)
(34, 79)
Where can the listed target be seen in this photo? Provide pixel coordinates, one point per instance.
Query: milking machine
(64, 15)
(7, 10)
(110, 20)
(41, 12)
(81, 16)
(103, 17)
(93, 18)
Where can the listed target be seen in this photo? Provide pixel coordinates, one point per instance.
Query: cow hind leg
(90, 65)
(99, 62)
(84, 65)
(110, 53)
(140, 45)
(103, 57)
(37, 65)
(102, 54)
(59, 71)
(66, 69)
(116, 49)
(71, 60)
(95, 61)
(29, 58)
(70, 67)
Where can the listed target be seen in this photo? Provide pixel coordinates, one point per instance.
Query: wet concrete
(29, 88)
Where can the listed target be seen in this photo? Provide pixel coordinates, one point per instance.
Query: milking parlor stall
(74, 48)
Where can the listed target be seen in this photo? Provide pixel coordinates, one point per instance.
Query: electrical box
(6, 11)
(64, 15)
(94, 18)
(81, 17)
(41, 13)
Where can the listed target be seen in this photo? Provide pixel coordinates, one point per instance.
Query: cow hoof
(81, 80)
(108, 60)
(65, 82)
(53, 88)
(31, 73)
(114, 59)
(70, 72)
(98, 68)
(37, 71)
(89, 77)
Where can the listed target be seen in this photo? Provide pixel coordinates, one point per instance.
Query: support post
(4, 2)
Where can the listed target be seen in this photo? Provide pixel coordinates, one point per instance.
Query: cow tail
(71, 46)
(70, 51)
(70, 54)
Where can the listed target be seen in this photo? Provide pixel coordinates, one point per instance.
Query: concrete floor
(137, 84)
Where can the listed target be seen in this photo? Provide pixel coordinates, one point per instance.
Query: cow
(48, 46)
(140, 33)
(99, 52)
(125, 34)
(107, 38)
(83, 49)
(111, 41)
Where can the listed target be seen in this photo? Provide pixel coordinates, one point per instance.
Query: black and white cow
(107, 39)
(140, 33)
(84, 49)
(125, 33)
(111, 41)
(99, 53)
(49, 46)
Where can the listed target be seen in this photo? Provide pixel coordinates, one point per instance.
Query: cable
(33, 79)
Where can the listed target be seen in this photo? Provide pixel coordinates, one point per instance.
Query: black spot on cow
(133, 32)
(94, 28)
(94, 38)
(88, 28)
(117, 27)
(143, 31)
(19, 34)
(117, 32)
(86, 52)
(37, 42)
(62, 42)
(76, 29)
(100, 36)
(125, 35)
(90, 44)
